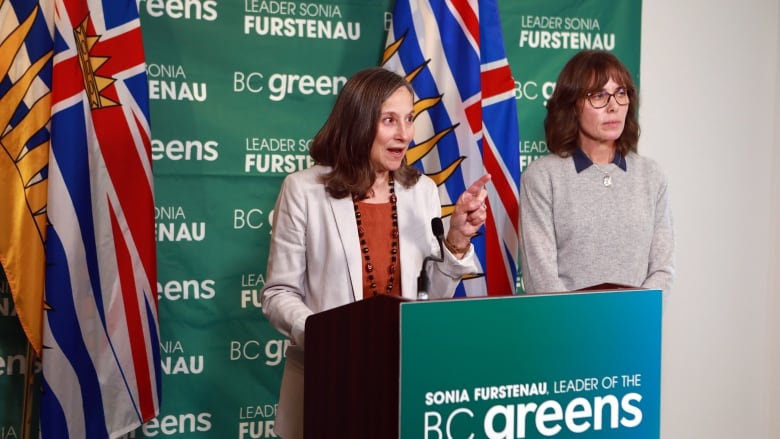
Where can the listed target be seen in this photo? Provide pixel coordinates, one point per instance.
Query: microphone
(423, 282)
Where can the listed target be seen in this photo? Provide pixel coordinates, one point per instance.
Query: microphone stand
(423, 281)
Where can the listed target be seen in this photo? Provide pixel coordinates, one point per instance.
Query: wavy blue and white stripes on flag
(101, 360)
(452, 52)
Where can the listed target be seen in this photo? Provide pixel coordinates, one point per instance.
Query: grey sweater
(576, 232)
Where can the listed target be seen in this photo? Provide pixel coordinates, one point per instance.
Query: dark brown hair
(587, 71)
(344, 142)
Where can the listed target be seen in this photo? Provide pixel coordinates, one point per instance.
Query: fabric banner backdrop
(236, 92)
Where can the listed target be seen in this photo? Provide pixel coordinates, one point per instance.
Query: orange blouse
(378, 225)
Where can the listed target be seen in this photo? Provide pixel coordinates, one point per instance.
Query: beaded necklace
(369, 266)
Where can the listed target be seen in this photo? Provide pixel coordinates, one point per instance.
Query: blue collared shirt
(582, 162)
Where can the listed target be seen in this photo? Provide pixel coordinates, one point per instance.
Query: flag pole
(27, 401)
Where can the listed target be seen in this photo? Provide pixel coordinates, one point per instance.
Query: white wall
(774, 302)
(709, 88)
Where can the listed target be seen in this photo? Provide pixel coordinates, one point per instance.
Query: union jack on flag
(101, 360)
(452, 52)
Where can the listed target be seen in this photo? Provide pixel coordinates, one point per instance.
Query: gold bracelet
(456, 250)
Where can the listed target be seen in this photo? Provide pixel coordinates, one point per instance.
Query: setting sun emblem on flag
(25, 105)
(466, 119)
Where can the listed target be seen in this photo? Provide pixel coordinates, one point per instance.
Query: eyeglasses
(601, 99)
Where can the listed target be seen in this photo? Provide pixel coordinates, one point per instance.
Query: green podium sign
(532, 366)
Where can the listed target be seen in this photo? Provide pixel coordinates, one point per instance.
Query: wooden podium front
(351, 372)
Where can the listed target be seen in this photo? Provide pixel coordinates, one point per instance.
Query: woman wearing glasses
(594, 211)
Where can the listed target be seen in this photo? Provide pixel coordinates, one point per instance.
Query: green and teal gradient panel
(585, 365)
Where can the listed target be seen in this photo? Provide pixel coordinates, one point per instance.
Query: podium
(527, 366)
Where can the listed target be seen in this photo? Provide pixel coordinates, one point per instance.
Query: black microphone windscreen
(437, 227)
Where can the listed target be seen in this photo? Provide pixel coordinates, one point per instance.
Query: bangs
(602, 74)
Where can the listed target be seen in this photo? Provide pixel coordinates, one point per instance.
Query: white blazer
(315, 264)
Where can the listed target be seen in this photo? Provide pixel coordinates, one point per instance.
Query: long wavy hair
(344, 142)
(587, 71)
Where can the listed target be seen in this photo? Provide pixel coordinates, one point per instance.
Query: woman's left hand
(469, 214)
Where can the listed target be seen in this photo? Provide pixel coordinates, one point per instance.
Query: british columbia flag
(101, 361)
(452, 52)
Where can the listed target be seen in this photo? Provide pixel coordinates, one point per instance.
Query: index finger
(478, 185)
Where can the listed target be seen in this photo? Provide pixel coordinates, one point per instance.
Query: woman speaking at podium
(594, 211)
(358, 223)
